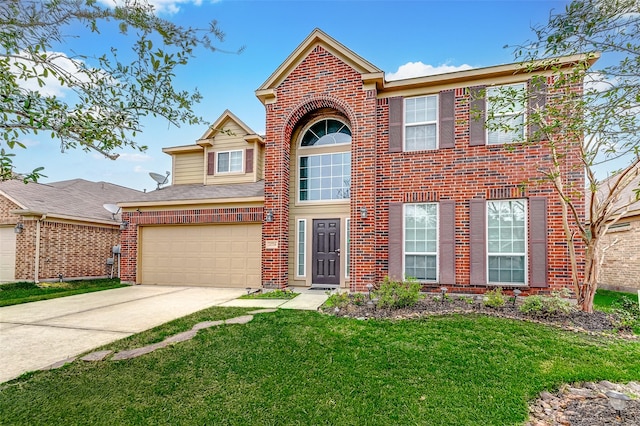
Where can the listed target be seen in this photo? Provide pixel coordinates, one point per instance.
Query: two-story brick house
(358, 178)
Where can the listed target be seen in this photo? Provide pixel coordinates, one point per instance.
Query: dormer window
(229, 162)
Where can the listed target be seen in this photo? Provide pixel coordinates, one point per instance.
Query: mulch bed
(597, 322)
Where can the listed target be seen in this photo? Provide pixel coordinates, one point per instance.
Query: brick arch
(314, 104)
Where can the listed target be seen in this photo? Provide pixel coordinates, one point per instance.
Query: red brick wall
(70, 249)
(380, 177)
(5, 207)
(129, 238)
(320, 81)
(462, 173)
(73, 250)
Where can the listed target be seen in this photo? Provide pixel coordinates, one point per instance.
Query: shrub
(398, 294)
(494, 298)
(546, 305)
(337, 300)
(627, 312)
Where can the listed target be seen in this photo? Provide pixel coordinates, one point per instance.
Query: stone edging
(176, 338)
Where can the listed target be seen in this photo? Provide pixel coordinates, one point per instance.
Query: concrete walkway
(38, 334)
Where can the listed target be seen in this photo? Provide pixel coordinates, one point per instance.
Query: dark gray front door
(326, 252)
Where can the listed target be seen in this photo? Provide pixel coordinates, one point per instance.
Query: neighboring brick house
(57, 229)
(621, 266)
(362, 178)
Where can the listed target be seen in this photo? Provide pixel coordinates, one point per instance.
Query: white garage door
(203, 255)
(7, 254)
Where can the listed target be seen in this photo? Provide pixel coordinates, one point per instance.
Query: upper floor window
(421, 123)
(506, 105)
(324, 171)
(229, 162)
(326, 132)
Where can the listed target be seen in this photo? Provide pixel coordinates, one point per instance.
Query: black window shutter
(537, 100)
(477, 116)
(447, 119)
(211, 163)
(477, 245)
(538, 264)
(447, 237)
(396, 107)
(395, 241)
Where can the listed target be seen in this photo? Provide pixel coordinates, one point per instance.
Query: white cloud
(418, 69)
(597, 82)
(169, 7)
(134, 157)
(50, 84)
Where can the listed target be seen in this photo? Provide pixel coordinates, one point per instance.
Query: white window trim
(523, 111)
(347, 246)
(422, 123)
(311, 202)
(301, 224)
(230, 172)
(526, 246)
(437, 252)
(310, 125)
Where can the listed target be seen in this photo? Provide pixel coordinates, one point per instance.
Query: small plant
(337, 300)
(546, 305)
(532, 305)
(358, 299)
(494, 298)
(627, 313)
(398, 294)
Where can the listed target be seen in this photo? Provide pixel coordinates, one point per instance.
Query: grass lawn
(23, 292)
(306, 368)
(605, 298)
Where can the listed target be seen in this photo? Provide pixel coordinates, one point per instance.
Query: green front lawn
(307, 368)
(606, 298)
(23, 292)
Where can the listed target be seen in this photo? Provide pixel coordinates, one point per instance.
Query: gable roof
(218, 126)
(316, 38)
(75, 199)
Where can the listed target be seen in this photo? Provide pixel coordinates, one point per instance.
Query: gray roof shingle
(76, 198)
(199, 192)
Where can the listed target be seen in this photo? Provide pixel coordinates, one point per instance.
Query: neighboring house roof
(628, 195)
(76, 199)
(198, 193)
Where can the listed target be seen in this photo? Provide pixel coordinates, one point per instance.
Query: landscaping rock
(58, 364)
(181, 337)
(96, 356)
(239, 320)
(585, 405)
(206, 324)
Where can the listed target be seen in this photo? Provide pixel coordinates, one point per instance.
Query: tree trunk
(589, 284)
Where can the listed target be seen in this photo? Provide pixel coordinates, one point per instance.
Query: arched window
(326, 132)
(324, 171)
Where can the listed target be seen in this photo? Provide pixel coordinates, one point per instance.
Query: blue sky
(389, 34)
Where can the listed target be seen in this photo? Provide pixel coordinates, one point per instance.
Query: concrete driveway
(38, 334)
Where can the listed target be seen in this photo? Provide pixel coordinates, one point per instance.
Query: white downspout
(36, 271)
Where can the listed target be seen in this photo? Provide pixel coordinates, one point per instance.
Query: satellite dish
(160, 179)
(113, 209)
